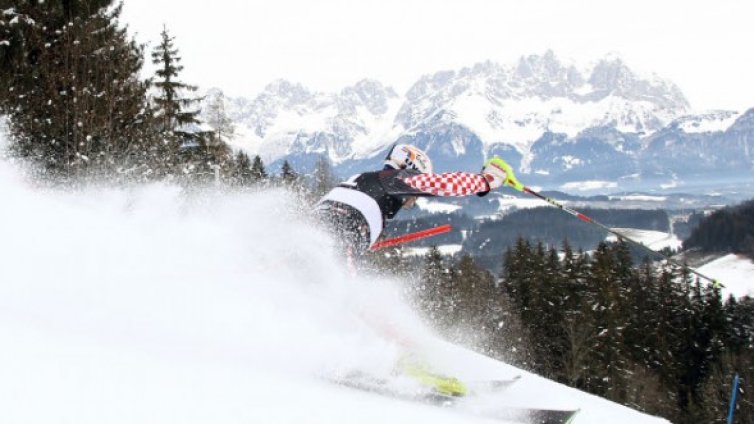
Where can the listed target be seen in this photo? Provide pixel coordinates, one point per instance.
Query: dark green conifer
(242, 174)
(71, 87)
(258, 173)
(324, 180)
(188, 148)
(287, 175)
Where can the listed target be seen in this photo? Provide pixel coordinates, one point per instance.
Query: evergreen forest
(652, 338)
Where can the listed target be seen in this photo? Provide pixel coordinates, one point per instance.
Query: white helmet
(409, 157)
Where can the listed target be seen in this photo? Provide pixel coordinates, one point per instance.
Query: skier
(356, 210)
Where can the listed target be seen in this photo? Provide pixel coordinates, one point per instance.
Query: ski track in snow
(151, 305)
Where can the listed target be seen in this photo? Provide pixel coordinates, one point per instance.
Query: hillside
(727, 230)
(154, 306)
(734, 272)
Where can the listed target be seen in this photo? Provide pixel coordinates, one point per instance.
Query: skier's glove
(498, 173)
(494, 172)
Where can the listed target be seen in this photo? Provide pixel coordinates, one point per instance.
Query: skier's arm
(494, 175)
(449, 184)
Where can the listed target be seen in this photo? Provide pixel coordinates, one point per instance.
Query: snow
(149, 304)
(588, 185)
(445, 249)
(570, 161)
(380, 130)
(493, 126)
(358, 131)
(509, 203)
(3, 135)
(521, 121)
(669, 185)
(639, 198)
(713, 121)
(734, 272)
(435, 207)
(655, 240)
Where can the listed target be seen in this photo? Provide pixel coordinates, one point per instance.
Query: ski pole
(513, 182)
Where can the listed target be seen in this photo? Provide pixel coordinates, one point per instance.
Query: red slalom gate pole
(411, 237)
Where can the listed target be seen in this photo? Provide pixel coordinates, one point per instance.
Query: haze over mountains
(556, 123)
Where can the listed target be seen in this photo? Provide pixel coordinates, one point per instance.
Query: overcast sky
(706, 47)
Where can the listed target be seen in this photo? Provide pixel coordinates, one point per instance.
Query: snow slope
(734, 272)
(656, 240)
(153, 305)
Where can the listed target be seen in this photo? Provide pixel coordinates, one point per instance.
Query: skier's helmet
(406, 156)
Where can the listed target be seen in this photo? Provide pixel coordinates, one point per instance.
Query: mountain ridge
(550, 119)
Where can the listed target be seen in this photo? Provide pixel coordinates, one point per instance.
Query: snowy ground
(656, 240)
(735, 272)
(435, 207)
(508, 203)
(150, 305)
(445, 249)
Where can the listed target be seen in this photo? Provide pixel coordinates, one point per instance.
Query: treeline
(727, 230)
(77, 106)
(485, 240)
(652, 339)
(551, 226)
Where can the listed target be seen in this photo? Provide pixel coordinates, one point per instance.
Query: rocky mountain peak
(745, 122)
(286, 93)
(371, 94)
(612, 77)
(486, 108)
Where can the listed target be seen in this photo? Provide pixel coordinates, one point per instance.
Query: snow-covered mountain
(557, 122)
(516, 104)
(286, 120)
(713, 143)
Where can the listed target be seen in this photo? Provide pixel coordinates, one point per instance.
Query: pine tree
(242, 174)
(520, 285)
(186, 147)
(433, 287)
(645, 347)
(324, 180)
(517, 276)
(607, 361)
(737, 358)
(171, 100)
(71, 87)
(223, 128)
(287, 175)
(483, 311)
(258, 173)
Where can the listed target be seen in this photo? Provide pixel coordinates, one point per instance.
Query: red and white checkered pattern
(449, 184)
